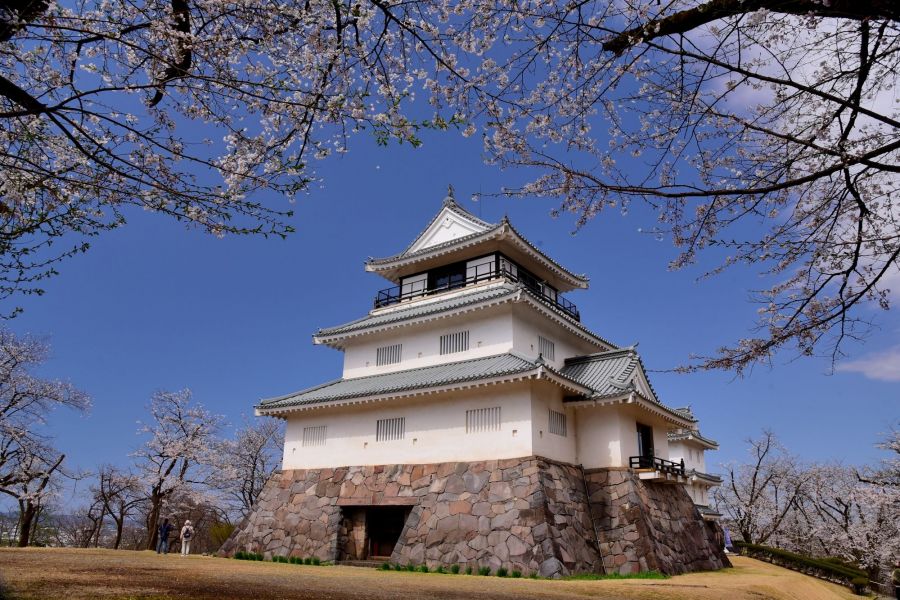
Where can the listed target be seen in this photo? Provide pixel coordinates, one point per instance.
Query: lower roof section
(464, 371)
(622, 381)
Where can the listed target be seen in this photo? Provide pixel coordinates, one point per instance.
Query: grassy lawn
(71, 574)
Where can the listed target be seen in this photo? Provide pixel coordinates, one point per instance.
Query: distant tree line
(816, 509)
(184, 469)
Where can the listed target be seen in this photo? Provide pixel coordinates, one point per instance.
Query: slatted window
(390, 429)
(455, 342)
(314, 436)
(483, 419)
(547, 348)
(557, 423)
(388, 355)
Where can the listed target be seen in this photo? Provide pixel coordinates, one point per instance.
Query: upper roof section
(454, 234)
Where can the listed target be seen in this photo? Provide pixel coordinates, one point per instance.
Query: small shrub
(423, 568)
(533, 575)
(240, 555)
(296, 560)
(468, 570)
(399, 567)
(410, 567)
(219, 532)
(502, 572)
(315, 560)
(307, 561)
(385, 566)
(454, 569)
(859, 585)
(516, 574)
(440, 569)
(484, 571)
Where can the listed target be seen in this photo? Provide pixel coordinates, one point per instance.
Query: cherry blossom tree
(28, 461)
(174, 462)
(119, 494)
(758, 496)
(248, 461)
(761, 133)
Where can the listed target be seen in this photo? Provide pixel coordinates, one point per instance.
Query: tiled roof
(707, 476)
(434, 306)
(686, 434)
(614, 373)
(608, 373)
(707, 511)
(492, 230)
(420, 309)
(401, 381)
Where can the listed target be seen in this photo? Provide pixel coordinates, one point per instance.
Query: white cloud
(881, 366)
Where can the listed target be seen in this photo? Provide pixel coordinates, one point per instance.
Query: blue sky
(155, 306)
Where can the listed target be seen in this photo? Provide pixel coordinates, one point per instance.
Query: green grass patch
(799, 562)
(597, 576)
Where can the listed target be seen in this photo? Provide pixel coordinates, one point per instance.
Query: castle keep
(478, 422)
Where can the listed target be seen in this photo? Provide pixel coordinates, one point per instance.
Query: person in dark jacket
(162, 545)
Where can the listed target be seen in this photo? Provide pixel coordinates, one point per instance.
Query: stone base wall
(529, 514)
(646, 525)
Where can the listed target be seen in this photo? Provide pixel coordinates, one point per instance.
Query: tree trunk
(27, 512)
(119, 523)
(153, 520)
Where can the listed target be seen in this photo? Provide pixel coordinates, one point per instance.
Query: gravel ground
(75, 574)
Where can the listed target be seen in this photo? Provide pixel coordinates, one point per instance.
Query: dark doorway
(645, 440)
(384, 525)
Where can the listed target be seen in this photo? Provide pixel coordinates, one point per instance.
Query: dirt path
(69, 574)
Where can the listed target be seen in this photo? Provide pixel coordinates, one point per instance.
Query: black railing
(395, 295)
(657, 464)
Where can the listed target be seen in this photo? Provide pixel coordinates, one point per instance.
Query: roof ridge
(574, 360)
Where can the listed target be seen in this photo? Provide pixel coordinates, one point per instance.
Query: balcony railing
(395, 295)
(657, 464)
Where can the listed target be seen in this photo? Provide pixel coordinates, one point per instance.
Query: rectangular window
(387, 430)
(388, 355)
(414, 286)
(480, 269)
(483, 419)
(557, 423)
(455, 342)
(546, 348)
(314, 436)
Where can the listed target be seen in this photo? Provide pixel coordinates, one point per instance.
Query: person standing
(187, 533)
(162, 542)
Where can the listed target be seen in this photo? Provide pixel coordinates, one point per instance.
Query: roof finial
(450, 199)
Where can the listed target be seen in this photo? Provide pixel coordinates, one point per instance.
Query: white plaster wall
(546, 396)
(490, 333)
(435, 430)
(528, 325)
(599, 437)
(699, 493)
(607, 435)
(693, 454)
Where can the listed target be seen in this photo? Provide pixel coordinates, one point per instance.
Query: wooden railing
(658, 464)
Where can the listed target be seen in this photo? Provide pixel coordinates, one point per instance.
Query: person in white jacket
(187, 534)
